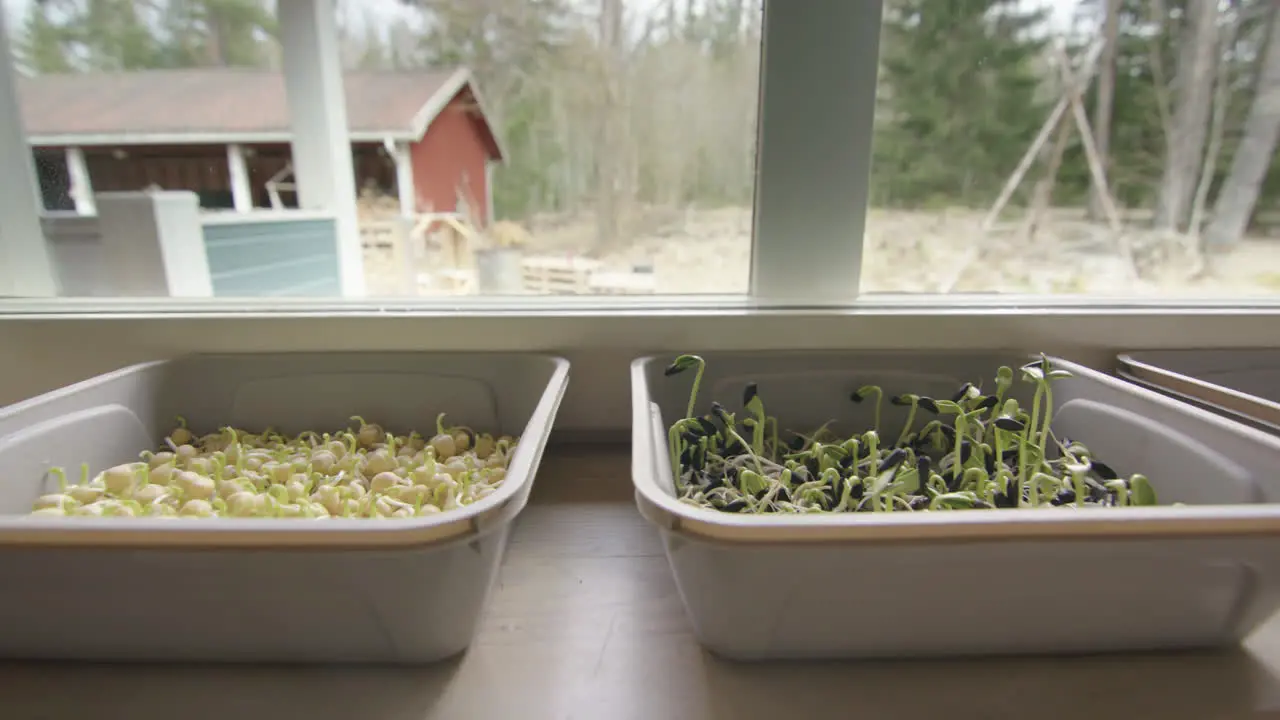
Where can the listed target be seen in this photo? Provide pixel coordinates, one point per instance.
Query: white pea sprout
(364, 471)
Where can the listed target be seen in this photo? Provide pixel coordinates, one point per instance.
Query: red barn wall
(451, 155)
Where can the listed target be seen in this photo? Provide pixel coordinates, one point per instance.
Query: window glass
(1091, 147)
(601, 147)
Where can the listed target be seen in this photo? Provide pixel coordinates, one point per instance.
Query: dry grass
(708, 251)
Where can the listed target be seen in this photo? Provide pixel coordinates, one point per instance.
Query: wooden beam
(1055, 116)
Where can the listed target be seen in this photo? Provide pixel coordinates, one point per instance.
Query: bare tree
(1217, 125)
(1106, 93)
(1194, 86)
(1158, 15)
(1257, 148)
(609, 150)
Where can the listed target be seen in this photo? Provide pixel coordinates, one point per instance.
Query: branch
(1085, 76)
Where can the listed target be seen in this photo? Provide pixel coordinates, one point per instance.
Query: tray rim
(1223, 397)
(1191, 521)
(469, 522)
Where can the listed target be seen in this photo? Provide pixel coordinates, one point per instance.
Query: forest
(607, 105)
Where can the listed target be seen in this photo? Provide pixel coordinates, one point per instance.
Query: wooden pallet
(621, 283)
(389, 255)
(558, 275)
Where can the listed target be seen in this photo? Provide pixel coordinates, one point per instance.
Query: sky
(373, 8)
(388, 9)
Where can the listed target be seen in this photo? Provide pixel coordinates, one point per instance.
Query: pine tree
(217, 33)
(96, 35)
(961, 98)
(99, 35)
(374, 51)
(40, 43)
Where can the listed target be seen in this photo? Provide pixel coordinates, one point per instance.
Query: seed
(892, 460)
(1103, 470)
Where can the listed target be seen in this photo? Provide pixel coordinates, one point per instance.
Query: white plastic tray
(1242, 384)
(351, 590)
(971, 582)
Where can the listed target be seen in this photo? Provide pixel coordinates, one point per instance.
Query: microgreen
(861, 394)
(979, 451)
(237, 473)
(913, 401)
(685, 362)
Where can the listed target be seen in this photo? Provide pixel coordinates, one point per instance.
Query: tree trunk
(217, 36)
(1158, 15)
(1106, 93)
(1217, 127)
(215, 44)
(1185, 150)
(609, 150)
(1253, 156)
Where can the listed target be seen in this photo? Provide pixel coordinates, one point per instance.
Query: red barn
(224, 134)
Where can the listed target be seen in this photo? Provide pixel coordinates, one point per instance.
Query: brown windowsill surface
(585, 623)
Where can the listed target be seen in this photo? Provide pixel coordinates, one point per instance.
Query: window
(836, 156)
(563, 147)
(1096, 148)
(818, 154)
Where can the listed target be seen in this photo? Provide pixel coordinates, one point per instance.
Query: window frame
(810, 204)
(818, 77)
(811, 197)
(40, 351)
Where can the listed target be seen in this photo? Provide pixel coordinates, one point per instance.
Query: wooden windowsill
(586, 623)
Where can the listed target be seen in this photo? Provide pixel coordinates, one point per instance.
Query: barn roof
(225, 105)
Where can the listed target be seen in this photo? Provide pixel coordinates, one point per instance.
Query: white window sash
(817, 103)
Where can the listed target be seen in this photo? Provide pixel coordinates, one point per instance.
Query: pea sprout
(367, 473)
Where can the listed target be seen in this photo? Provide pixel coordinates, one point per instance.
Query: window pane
(1091, 147)
(601, 147)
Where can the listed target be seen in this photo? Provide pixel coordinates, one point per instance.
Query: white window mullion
(818, 88)
(321, 141)
(26, 268)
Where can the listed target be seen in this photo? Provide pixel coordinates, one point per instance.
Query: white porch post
(241, 192)
(25, 265)
(404, 179)
(81, 186)
(321, 144)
